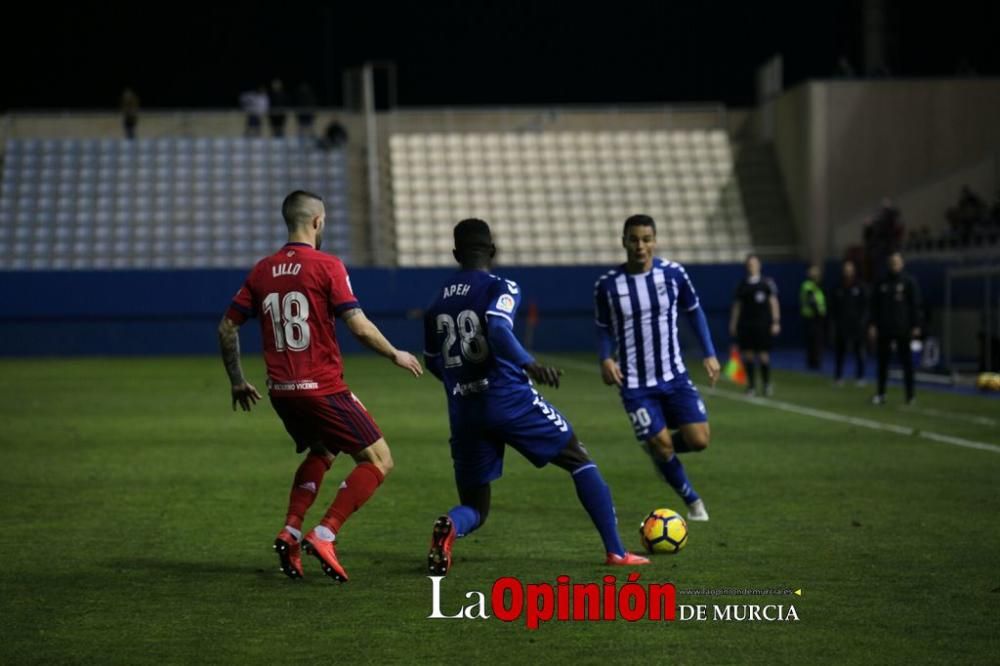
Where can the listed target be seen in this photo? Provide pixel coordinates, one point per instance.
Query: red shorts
(338, 422)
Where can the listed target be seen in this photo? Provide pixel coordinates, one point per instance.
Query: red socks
(308, 479)
(359, 485)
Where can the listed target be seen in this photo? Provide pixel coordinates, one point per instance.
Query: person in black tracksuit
(849, 315)
(895, 319)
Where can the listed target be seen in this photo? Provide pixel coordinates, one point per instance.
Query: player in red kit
(296, 293)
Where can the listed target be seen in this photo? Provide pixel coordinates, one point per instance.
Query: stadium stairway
(764, 200)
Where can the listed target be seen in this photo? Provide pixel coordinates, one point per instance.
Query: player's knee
(661, 447)
(377, 454)
(573, 457)
(385, 464)
(697, 440)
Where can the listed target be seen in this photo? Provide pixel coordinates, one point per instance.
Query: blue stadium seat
(139, 195)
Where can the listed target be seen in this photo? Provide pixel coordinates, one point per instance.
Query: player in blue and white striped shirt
(638, 305)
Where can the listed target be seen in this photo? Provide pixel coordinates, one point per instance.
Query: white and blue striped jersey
(641, 312)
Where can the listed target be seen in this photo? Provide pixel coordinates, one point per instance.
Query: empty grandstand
(171, 202)
(559, 197)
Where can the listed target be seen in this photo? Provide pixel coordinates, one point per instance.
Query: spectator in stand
(335, 136)
(883, 236)
(130, 112)
(305, 113)
(255, 104)
(970, 222)
(849, 314)
(969, 214)
(278, 108)
(993, 223)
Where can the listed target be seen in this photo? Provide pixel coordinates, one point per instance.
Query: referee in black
(895, 320)
(754, 321)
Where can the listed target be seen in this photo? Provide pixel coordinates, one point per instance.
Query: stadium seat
(99, 189)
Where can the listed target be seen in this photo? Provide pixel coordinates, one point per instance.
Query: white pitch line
(939, 413)
(825, 415)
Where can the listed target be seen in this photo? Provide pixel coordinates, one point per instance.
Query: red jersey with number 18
(297, 292)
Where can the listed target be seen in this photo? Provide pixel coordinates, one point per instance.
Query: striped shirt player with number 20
(297, 293)
(638, 305)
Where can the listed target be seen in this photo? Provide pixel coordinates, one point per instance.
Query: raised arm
(368, 334)
(243, 392)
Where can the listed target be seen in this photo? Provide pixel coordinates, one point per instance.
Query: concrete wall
(843, 145)
(891, 136)
(925, 204)
(152, 123)
(791, 144)
(561, 119)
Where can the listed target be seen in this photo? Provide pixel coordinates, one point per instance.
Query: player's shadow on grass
(416, 564)
(194, 568)
(390, 564)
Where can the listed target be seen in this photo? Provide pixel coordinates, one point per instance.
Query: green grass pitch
(138, 513)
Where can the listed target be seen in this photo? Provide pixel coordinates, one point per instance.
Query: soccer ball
(663, 531)
(988, 381)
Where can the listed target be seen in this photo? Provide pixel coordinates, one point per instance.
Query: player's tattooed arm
(243, 392)
(368, 334)
(229, 347)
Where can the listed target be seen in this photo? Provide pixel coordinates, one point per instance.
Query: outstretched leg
(461, 520)
(595, 496)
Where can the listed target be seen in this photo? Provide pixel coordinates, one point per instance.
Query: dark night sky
(450, 52)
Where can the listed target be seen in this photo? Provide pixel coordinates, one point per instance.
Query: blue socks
(673, 472)
(465, 519)
(595, 496)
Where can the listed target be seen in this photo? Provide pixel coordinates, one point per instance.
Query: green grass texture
(138, 513)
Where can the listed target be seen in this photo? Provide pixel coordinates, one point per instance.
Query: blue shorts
(668, 405)
(481, 427)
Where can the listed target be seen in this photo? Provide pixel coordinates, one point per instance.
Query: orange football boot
(289, 554)
(326, 553)
(626, 560)
(439, 557)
